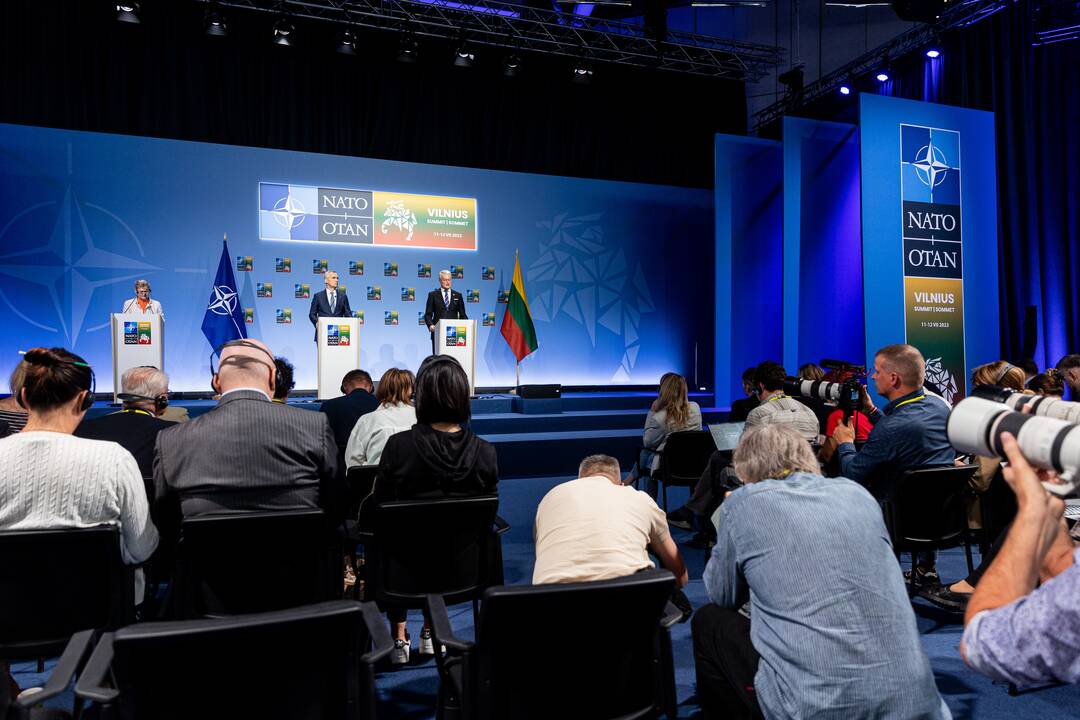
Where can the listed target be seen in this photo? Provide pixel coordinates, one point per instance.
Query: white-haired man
(145, 394)
(443, 303)
(830, 631)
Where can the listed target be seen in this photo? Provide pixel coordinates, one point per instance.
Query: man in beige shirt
(596, 528)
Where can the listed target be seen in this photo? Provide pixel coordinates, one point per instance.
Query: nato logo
(131, 333)
(930, 165)
(288, 212)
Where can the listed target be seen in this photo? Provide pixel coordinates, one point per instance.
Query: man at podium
(442, 304)
(142, 303)
(331, 302)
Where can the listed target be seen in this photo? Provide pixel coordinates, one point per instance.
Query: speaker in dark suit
(443, 303)
(331, 302)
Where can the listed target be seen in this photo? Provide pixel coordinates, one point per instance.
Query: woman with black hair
(437, 458)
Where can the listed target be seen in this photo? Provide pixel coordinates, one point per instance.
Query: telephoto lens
(830, 392)
(976, 424)
(1042, 405)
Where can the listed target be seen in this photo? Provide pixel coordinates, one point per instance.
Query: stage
(537, 438)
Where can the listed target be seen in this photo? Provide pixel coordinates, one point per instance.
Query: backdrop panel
(749, 249)
(609, 267)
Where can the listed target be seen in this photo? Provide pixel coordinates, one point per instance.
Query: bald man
(247, 454)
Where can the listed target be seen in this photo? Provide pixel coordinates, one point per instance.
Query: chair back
(299, 663)
(57, 582)
(537, 658)
(359, 480)
(685, 456)
(442, 547)
(997, 507)
(253, 562)
(928, 509)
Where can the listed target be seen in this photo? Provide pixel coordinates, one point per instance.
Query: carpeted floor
(409, 692)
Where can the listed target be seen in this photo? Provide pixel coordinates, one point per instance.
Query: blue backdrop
(611, 269)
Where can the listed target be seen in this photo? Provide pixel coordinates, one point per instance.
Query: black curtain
(71, 65)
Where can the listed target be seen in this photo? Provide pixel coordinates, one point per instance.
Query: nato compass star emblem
(289, 212)
(223, 301)
(52, 282)
(930, 165)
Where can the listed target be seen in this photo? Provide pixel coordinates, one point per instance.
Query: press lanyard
(910, 400)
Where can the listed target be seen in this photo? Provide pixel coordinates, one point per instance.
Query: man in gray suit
(247, 454)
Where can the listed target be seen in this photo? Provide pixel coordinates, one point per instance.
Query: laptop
(726, 435)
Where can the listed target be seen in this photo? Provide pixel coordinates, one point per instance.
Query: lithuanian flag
(517, 324)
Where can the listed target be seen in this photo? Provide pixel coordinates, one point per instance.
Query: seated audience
(12, 413)
(356, 401)
(282, 389)
(671, 411)
(830, 631)
(741, 408)
(1069, 367)
(596, 528)
(776, 407)
(245, 455)
(1015, 631)
(436, 458)
(52, 479)
(394, 414)
(1030, 368)
(1048, 383)
(145, 394)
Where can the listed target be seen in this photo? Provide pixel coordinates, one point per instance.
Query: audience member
(1048, 383)
(1030, 368)
(394, 414)
(12, 413)
(1069, 367)
(357, 399)
(821, 409)
(1015, 631)
(778, 408)
(245, 455)
(52, 479)
(810, 371)
(436, 458)
(145, 394)
(596, 528)
(830, 631)
(671, 411)
(741, 408)
(282, 389)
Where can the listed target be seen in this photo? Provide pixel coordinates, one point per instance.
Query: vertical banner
(929, 220)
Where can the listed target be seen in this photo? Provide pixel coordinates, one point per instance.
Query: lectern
(457, 338)
(137, 339)
(339, 352)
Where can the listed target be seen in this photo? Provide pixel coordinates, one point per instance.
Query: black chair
(448, 547)
(359, 482)
(253, 562)
(532, 657)
(312, 662)
(927, 510)
(684, 458)
(997, 508)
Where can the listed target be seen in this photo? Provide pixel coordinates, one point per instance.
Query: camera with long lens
(1042, 405)
(976, 424)
(844, 394)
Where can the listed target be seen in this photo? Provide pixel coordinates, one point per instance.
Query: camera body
(844, 394)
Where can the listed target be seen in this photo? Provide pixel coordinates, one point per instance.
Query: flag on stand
(224, 318)
(517, 324)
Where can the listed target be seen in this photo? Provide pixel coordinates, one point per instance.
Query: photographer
(1015, 632)
(778, 408)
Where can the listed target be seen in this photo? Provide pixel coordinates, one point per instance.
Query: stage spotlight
(511, 65)
(347, 43)
(882, 76)
(582, 73)
(283, 32)
(463, 55)
(214, 22)
(128, 12)
(845, 90)
(409, 49)
(792, 79)
(933, 53)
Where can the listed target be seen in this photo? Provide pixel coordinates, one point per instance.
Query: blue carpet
(409, 692)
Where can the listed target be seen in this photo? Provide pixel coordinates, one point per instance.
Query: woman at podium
(142, 303)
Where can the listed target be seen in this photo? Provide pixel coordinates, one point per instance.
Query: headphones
(243, 343)
(88, 401)
(160, 402)
(1003, 372)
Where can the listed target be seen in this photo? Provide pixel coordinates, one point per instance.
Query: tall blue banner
(929, 222)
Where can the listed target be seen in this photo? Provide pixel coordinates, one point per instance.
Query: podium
(137, 339)
(339, 352)
(457, 338)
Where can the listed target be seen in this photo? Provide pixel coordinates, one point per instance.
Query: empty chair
(683, 459)
(253, 562)
(535, 654)
(310, 662)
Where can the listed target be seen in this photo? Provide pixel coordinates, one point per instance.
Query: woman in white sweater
(395, 414)
(52, 479)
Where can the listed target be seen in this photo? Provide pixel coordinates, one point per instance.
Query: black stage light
(214, 22)
(347, 43)
(127, 12)
(283, 32)
(409, 49)
(582, 73)
(511, 65)
(463, 55)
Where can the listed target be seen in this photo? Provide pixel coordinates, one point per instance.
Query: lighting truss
(523, 29)
(923, 34)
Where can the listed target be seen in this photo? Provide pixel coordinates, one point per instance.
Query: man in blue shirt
(831, 633)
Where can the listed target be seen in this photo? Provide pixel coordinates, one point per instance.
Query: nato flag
(224, 318)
